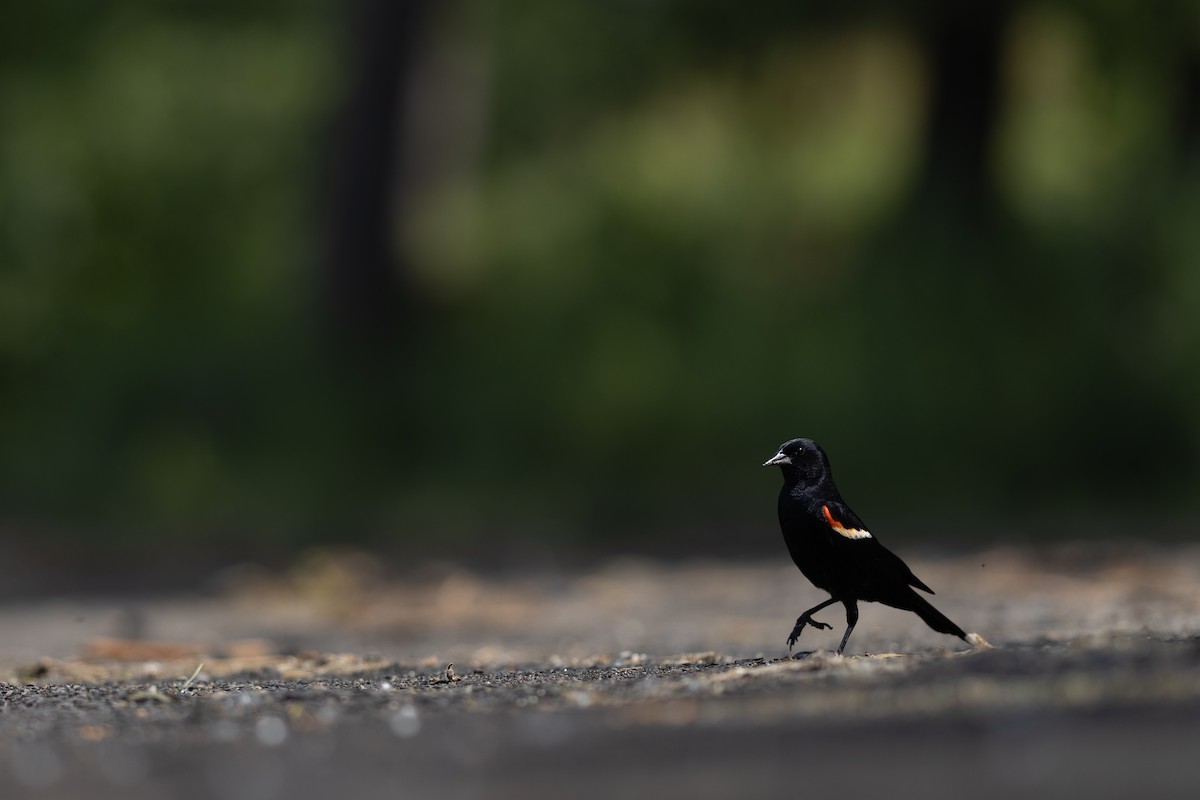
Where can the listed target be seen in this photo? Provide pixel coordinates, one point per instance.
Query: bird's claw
(799, 629)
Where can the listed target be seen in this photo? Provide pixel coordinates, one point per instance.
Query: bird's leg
(851, 621)
(806, 619)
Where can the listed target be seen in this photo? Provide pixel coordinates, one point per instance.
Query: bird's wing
(842, 521)
(847, 526)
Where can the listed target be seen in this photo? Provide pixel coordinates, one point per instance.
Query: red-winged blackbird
(834, 550)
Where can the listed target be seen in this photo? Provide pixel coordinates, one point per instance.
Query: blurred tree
(964, 51)
(364, 280)
(1187, 102)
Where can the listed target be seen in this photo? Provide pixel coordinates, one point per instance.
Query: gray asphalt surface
(599, 684)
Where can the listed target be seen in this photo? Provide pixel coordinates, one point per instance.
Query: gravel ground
(636, 678)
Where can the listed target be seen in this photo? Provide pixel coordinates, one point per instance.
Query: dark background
(465, 276)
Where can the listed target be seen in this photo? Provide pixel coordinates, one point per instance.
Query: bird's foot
(799, 628)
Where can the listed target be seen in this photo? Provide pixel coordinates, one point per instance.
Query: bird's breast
(808, 547)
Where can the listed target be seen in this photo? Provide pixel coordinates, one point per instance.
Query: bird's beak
(777, 459)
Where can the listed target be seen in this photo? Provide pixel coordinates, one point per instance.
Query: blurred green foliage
(646, 242)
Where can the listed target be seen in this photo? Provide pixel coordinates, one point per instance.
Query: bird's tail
(933, 618)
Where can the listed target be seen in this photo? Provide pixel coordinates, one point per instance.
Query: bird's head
(802, 461)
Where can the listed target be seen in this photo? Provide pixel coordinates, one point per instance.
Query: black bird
(834, 549)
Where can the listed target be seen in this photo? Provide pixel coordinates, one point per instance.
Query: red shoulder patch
(833, 523)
